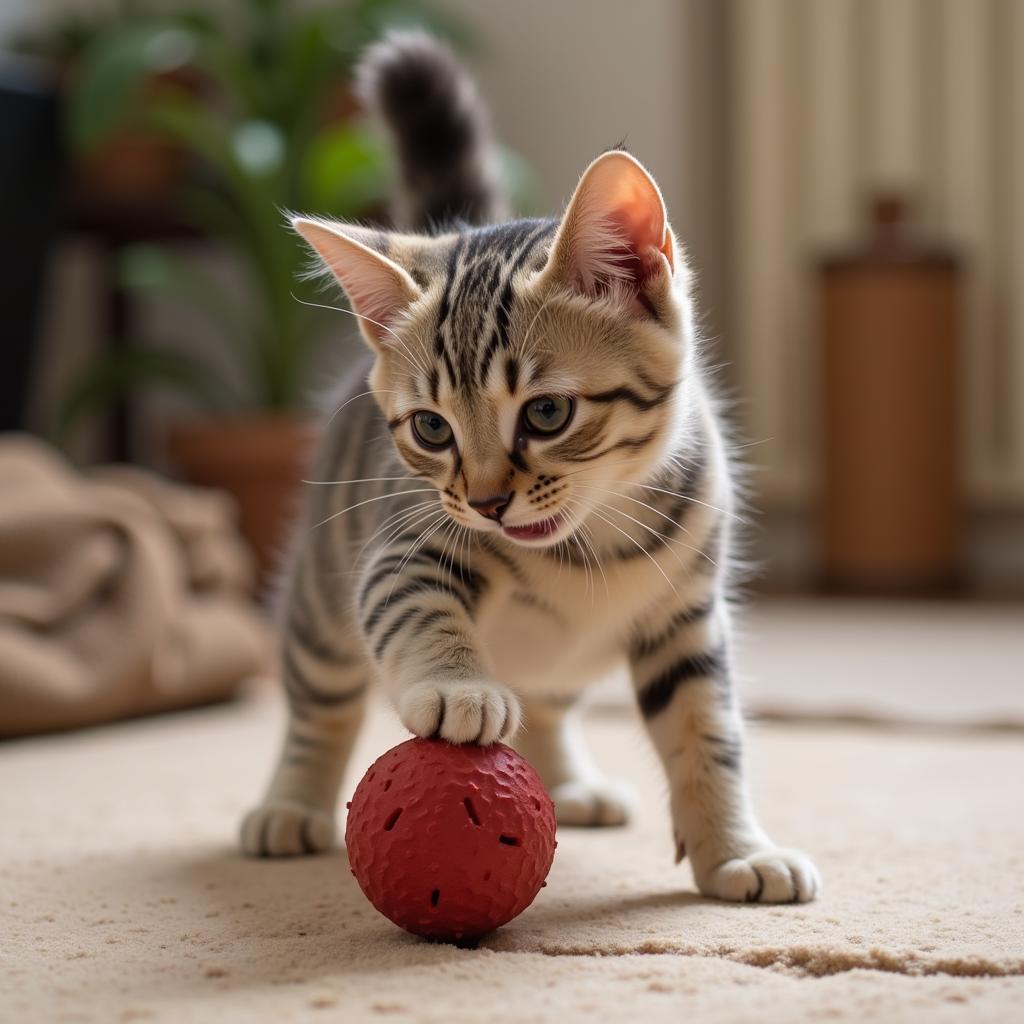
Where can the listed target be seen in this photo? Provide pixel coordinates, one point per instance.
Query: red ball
(450, 842)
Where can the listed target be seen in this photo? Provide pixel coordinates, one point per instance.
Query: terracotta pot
(260, 460)
(135, 164)
(132, 167)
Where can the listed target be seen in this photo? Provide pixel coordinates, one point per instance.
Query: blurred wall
(834, 101)
(768, 123)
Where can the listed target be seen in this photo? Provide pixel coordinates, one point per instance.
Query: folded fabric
(120, 594)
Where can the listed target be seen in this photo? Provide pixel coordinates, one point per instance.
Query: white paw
(285, 828)
(460, 712)
(767, 876)
(593, 803)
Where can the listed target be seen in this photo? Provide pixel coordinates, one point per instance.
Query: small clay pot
(260, 460)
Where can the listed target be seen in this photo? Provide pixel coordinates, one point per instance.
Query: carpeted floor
(123, 899)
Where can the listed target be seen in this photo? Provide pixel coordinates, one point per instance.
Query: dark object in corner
(29, 177)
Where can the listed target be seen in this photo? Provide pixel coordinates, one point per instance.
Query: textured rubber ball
(450, 841)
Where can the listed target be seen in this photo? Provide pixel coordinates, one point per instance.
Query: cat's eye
(547, 415)
(431, 430)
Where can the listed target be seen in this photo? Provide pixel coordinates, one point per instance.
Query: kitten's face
(530, 369)
(530, 440)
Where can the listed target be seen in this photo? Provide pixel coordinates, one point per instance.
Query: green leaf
(126, 370)
(112, 74)
(346, 171)
(189, 123)
(518, 181)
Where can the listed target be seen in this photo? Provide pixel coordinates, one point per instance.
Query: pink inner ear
(375, 292)
(378, 289)
(642, 223)
(620, 232)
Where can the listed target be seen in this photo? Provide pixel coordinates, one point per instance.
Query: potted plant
(114, 159)
(264, 115)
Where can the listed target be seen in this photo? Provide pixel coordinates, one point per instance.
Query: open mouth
(534, 531)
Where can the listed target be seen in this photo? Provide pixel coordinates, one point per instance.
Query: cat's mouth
(542, 530)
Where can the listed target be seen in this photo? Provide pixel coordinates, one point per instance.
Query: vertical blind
(834, 101)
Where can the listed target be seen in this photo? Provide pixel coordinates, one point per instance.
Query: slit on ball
(508, 840)
(471, 811)
(435, 897)
(392, 819)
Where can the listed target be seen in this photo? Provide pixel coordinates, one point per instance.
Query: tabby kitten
(531, 490)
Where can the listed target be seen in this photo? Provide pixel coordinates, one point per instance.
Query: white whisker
(397, 522)
(417, 544)
(365, 480)
(416, 365)
(380, 497)
(660, 536)
(644, 550)
(378, 391)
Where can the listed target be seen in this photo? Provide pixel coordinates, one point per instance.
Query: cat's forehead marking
(476, 300)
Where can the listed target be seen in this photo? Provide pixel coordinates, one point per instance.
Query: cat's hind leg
(552, 741)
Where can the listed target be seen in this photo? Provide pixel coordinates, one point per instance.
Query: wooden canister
(891, 514)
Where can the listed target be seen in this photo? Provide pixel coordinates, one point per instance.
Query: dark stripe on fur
(303, 627)
(532, 600)
(518, 459)
(498, 555)
(301, 690)
(391, 632)
(583, 441)
(645, 646)
(624, 394)
(417, 585)
(427, 619)
(658, 534)
(503, 308)
(512, 374)
(656, 694)
(629, 443)
(445, 308)
(728, 751)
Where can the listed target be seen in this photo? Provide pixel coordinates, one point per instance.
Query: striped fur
(411, 566)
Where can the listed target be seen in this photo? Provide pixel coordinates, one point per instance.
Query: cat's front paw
(769, 875)
(592, 803)
(460, 711)
(286, 828)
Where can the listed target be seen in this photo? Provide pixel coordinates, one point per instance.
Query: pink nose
(492, 507)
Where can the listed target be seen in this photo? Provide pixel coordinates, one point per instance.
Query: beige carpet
(122, 897)
(926, 662)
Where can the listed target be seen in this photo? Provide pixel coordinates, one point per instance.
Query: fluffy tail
(440, 128)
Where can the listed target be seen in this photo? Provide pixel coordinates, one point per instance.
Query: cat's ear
(378, 288)
(614, 238)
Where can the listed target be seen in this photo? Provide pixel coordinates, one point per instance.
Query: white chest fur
(570, 628)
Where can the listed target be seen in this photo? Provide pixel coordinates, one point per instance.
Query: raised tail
(440, 128)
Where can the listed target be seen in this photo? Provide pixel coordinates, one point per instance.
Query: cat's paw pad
(767, 876)
(286, 828)
(460, 712)
(593, 803)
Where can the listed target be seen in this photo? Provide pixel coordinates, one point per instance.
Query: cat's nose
(492, 507)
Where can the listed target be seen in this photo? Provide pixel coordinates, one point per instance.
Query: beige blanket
(120, 594)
